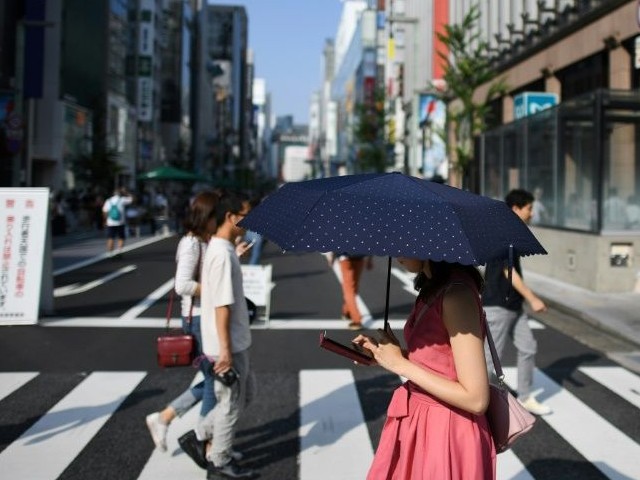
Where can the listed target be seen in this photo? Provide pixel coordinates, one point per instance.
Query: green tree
(467, 67)
(369, 134)
(98, 169)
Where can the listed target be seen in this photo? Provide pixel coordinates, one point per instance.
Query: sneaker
(196, 449)
(355, 326)
(230, 470)
(535, 407)
(158, 430)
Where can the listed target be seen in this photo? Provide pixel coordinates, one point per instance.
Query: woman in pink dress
(436, 428)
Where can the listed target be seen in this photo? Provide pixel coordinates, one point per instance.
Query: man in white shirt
(113, 211)
(226, 338)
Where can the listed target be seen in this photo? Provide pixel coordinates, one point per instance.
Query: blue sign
(530, 103)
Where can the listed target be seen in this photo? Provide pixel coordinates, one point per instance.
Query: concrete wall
(584, 260)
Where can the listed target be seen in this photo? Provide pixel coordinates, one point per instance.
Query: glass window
(577, 171)
(541, 174)
(620, 206)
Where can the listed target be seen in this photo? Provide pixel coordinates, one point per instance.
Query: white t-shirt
(119, 202)
(186, 264)
(221, 285)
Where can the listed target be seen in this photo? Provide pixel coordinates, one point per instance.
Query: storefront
(581, 160)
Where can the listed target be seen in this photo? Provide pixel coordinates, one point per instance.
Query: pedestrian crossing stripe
(52, 442)
(334, 437)
(11, 381)
(599, 442)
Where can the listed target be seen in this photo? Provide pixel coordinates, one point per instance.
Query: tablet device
(351, 352)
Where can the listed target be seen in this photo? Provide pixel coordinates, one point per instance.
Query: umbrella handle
(386, 305)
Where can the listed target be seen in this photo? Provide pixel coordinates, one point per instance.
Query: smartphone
(227, 378)
(251, 244)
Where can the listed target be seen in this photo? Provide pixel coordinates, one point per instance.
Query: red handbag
(175, 348)
(507, 418)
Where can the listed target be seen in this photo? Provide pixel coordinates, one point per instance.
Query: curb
(588, 319)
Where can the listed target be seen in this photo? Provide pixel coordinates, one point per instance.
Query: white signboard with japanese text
(256, 282)
(23, 230)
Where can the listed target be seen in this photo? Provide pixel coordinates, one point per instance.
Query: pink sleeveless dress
(424, 438)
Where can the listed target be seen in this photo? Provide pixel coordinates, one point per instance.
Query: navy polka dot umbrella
(394, 215)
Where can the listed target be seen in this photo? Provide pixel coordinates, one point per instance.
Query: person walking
(199, 226)
(351, 267)
(435, 426)
(503, 302)
(113, 211)
(226, 339)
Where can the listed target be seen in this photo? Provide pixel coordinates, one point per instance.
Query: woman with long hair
(199, 226)
(436, 427)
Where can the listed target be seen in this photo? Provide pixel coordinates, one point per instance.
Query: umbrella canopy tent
(171, 173)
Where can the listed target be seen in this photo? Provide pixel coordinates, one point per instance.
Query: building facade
(568, 131)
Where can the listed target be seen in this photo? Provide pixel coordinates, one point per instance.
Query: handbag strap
(196, 275)
(492, 348)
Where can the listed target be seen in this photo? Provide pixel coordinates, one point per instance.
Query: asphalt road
(73, 398)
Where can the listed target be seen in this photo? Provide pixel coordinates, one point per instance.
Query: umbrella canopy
(170, 173)
(393, 215)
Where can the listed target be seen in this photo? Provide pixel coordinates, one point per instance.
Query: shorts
(115, 231)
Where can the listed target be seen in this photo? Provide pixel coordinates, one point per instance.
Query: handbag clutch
(175, 348)
(508, 419)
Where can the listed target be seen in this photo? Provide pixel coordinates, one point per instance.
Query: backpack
(114, 212)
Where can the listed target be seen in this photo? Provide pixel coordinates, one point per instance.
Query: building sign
(23, 229)
(432, 115)
(530, 103)
(146, 40)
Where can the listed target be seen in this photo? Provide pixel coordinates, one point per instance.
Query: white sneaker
(158, 430)
(535, 407)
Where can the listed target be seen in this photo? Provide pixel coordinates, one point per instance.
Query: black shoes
(230, 470)
(195, 448)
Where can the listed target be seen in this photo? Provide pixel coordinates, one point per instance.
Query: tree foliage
(98, 169)
(369, 134)
(467, 67)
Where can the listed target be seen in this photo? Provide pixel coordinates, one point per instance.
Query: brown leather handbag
(175, 348)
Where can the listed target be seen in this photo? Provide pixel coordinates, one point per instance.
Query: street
(74, 391)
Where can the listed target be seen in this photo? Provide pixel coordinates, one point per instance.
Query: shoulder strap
(196, 275)
(492, 348)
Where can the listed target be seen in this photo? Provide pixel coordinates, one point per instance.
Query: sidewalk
(616, 313)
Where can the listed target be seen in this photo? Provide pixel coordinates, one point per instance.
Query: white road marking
(76, 288)
(334, 440)
(620, 381)
(600, 443)
(157, 294)
(12, 381)
(51, 444)
(174, 463)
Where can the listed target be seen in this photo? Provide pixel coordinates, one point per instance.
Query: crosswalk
(335, 438)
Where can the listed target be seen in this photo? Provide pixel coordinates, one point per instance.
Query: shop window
(621, 206)
(577, 172)
(541, 172)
